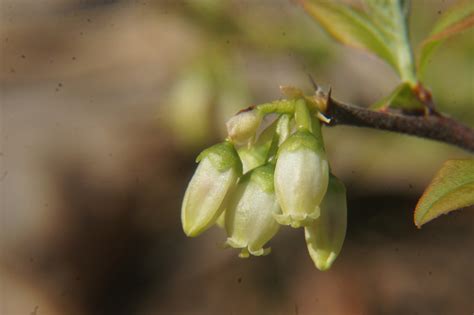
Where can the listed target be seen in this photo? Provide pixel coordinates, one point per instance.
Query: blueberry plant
(272, 168)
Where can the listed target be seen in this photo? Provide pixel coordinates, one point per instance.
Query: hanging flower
(301, 179)
(249, 215)
(215, 177)
(325, 236)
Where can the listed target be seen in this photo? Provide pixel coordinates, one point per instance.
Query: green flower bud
(325, 236)
(301, 179)
(249, 215)
(215, 177)
(242, 127)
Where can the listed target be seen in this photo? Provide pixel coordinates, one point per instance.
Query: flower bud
(243, 126)
(215, 177)
(249, 214)
(301, 179)
(325, 236)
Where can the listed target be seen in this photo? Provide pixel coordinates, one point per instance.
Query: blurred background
(104, 106)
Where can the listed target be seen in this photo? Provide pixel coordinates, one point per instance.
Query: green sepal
(302, 139)
(263, 176)
(223, 156)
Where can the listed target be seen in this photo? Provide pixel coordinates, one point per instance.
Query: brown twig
(437, 127)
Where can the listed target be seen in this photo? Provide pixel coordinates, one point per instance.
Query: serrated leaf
(451, 188)
(457, 19)
(349, 26)
(382, 31)
(402, 98)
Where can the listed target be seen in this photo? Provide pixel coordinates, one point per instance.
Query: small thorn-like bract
(325, 236)
(249, 214)
(301, 179)
(215, 177)
(242, 127)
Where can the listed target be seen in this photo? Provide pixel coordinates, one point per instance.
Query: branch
(436, 126)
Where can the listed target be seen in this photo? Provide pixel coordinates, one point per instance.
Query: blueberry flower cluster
(261, 178)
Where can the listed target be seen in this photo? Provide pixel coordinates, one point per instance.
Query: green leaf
(383, 31)
(457, 19)
(452, 188)
(349, 26)
(402, 98)
(391, 18)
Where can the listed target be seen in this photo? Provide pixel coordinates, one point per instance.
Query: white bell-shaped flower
(301, 179)
(249, 214)
(325, 236)
(215, 178)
